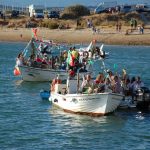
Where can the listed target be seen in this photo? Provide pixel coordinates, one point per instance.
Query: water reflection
(18, 82)
(103, 124)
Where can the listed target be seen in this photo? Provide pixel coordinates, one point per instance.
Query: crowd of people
(112, 82)
(70, 60)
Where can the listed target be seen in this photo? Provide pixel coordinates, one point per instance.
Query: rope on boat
(25, 49)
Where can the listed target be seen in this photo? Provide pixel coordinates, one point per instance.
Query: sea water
(27, 122)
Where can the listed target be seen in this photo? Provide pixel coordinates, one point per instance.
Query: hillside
(97, 20)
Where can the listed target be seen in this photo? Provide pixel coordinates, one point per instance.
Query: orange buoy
(17, 71)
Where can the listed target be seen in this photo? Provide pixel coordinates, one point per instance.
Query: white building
(36, 11)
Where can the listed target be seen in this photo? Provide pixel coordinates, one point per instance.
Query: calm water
(27, 122)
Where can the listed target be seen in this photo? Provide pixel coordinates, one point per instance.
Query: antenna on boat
(78, 81)
(102, 57)
(26, 49)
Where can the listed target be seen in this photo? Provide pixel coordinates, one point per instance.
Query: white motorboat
(94, 104)
(40, 74)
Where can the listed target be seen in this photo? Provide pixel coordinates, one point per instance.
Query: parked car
(104, 6)
(1, 14)
(126, 8)
(14, 13)
(53, 14)
(142, 8)
(110, 10)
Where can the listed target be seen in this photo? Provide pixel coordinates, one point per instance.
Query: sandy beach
(106, 36)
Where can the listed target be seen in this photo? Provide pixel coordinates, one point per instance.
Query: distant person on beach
(91, 23)
(119, 27)
(21, 36)
(117, 24)
(94, 30)
(78, 23)
(131, 23)
(88, 23)
(134, 23)
(68, 26)
(142, 29)
(139, 28)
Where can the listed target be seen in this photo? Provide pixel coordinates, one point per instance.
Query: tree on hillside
(74, 12)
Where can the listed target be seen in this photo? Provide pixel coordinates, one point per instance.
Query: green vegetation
(74, 12)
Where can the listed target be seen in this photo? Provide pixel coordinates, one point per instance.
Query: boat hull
(90, 104)
(40, 74)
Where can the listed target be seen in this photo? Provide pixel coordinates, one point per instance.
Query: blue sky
(58, 3)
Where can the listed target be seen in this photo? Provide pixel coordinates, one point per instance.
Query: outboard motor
(142, 96)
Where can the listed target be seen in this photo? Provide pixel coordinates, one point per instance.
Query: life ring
(85, 54)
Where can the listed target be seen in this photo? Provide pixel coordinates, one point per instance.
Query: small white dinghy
(67, 97)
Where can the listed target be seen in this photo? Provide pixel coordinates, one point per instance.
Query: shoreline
(107, 36)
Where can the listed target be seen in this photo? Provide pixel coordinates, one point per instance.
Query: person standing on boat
(75, 58)
(70, 62)
(38, 59)
(117, 88)
(108, 87)
(124, 74)
(87, 84)
(126, 84)
(19, 60)
(99, 83)
(110, 75)
(137, 84)
(31, 60)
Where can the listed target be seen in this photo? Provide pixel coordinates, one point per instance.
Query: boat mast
(32, 47)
